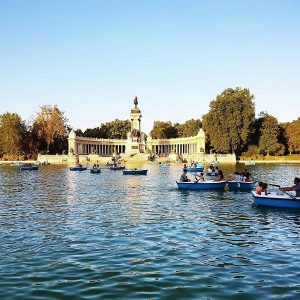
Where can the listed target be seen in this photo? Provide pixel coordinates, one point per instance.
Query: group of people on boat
(245, 175)
(262, 188)
(211, 169)
(200, 176)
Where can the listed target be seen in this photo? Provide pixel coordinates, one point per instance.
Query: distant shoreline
(270, 161)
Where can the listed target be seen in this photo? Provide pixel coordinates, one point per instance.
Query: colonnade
(166, 149)
(99, 149)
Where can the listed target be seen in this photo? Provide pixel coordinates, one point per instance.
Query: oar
(191, 183)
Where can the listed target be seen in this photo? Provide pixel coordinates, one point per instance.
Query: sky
(91, 58)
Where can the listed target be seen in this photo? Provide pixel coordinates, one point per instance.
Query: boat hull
(204, 185)
(117, 168)
(135, 172)
(200, 169)
(78, 168)
(240, 185)
(33, 168)
(95, 171)
(211, 174)
(274, 200)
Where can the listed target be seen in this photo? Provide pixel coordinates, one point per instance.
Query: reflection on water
(77, 235)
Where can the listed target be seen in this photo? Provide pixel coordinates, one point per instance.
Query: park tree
(97, 132)
(50, 127)
(229, 122)
(292, 131)
(252, 151)
(116, 129)
(269, 133)
(189, 128)
(163, 130)
(13, 135)
(79, 132)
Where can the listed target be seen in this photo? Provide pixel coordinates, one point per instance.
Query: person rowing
(183, 177)
(295, 187)
(200, 177)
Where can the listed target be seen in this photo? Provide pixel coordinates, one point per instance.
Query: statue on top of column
(135, 102)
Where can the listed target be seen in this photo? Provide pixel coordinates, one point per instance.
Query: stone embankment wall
(73, 159)
(91, 159)
(283, 161)
(208, 158)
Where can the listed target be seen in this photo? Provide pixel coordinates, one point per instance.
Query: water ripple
(68, 235)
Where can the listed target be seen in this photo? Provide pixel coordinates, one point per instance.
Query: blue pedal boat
(273, 199)
(203, 185)
(237, 185)
(78, 168)
(95, 171)
(135, 172)
(29, 168)
(211, 174)
(116, 168)
(194, 169)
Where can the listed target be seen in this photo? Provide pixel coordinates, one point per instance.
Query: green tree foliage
(79, 132)
(269, 133)
(116, 129)
(13, 136)
(229, 121)
(97, 132)
(252, 151)
(163, 130)
(293, 136)
(50, 128)
(189, 128)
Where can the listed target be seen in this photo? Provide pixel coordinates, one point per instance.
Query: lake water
(77, 235)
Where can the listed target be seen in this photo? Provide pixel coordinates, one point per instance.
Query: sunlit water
(77, 235)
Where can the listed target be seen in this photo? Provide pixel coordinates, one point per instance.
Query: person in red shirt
(259, 188)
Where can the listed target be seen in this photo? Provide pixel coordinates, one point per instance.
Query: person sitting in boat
(295, 187)
(94, 166)
(200, 177)
(264, 188)
(210, 169)
(183, 177)
(259, 188)
(245, 173)
(220, 176)
(80, 165)
(184, 166)
(247, 177)
(237, 176)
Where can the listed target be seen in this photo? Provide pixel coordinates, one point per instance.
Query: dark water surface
(76, 235)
